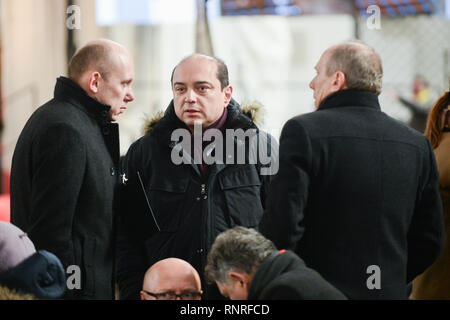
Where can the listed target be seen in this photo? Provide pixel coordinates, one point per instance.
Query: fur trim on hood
(149, 123)
(253, 110)
(11, 294)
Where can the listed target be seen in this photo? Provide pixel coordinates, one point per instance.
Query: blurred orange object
(5, 211)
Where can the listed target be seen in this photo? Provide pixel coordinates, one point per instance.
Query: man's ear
(142, 294)
(228, 91)
(241, 279)
(339, 81)
(94, 82)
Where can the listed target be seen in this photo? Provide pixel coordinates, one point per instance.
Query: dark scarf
(216, 125)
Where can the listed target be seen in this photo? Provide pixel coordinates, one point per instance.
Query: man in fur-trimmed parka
(204, 168)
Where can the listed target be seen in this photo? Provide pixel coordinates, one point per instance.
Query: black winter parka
(190, 209)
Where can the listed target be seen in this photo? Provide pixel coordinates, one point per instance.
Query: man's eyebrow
(196, 83)
(190, 289)
(203, 82)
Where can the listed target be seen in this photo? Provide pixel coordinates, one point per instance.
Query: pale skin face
(323, 84)
(170, 275)
(197, 93)
(115, 89)
(237, 286)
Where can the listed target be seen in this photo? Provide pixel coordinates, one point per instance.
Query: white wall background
(33, 56)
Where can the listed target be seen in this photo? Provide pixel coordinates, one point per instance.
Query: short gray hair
(92, 55)
(240, 250)
(360, 63)
(100, 55)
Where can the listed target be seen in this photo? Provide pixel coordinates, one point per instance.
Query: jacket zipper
(207, 196)
(205, 211)
(203, 191)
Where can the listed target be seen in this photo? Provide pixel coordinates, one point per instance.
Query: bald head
(104, 69)
(170, 275)
(349, 65)
(360, 63)
(221, 72)
(98, 55)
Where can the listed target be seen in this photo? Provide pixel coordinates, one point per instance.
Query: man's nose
(311, 84)
(129, 96)
(190, 96)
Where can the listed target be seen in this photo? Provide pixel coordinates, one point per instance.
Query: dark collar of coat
(277, 263)
(68, 90)
(162, 127)
(350, 98)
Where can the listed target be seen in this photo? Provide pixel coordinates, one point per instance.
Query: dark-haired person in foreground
(65, 167)
(357, 192)
(247, 266)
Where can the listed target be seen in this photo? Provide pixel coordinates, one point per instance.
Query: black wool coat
(356, 197)
(191, 209)
(284, 276)
(63, 181)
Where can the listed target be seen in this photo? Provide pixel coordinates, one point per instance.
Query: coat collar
(68, 90)
(277, 263)
(349, 98)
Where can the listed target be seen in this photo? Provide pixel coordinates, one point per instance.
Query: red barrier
(5, 210)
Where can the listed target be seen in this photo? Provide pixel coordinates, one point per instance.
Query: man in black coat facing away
(356, 195)
(65, 168)
(247, 266)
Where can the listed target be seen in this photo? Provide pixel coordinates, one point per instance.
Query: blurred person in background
(356, 195)
(64, 172)
(24, 273)
(434, 283)
(422, 100)
(247, 266)
(171, 279)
